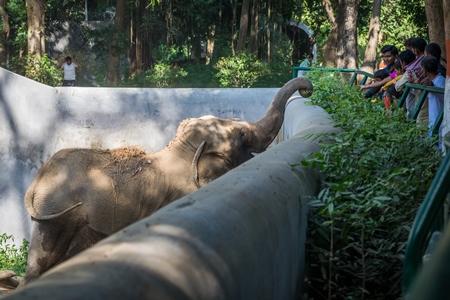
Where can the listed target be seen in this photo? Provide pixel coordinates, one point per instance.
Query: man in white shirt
(69, 66)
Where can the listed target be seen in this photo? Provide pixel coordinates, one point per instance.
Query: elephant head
(222, 144)
(80, 196)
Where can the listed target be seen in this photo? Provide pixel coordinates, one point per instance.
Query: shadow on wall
(37, 120)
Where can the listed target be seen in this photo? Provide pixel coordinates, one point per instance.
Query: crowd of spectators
(420, 63)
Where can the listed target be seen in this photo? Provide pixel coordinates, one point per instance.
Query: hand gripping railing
(430, 211)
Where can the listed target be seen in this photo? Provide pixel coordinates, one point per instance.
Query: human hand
(426, 82)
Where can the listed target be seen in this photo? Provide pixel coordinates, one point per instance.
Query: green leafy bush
(43, 70)
(161, 76)
(376, 174)
(11, 257)
(241, 70)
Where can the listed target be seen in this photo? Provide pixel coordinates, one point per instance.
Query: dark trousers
(69, 83)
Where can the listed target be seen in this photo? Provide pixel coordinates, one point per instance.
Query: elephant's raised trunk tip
(268, 126)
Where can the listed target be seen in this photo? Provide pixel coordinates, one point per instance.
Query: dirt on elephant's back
(123, 154)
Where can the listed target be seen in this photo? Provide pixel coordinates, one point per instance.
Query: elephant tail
(29, 206)
(35, 215)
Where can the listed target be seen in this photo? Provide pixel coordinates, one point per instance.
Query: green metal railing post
(419, 104)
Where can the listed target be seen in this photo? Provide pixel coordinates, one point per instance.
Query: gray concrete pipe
(240, 237)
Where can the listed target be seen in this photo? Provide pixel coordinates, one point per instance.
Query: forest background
(208, 43)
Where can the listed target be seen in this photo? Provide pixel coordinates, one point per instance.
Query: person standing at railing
(434, 49)
(389, 54)
(405, 57)
(415, 75)
(429, 66)
(306, 63)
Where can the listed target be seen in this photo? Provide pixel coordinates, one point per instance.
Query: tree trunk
(347, 46)
(36, 27)
(370, 55)
(269, 11)
(114, 52)
(140, 6)
(233, 25)
(253, 43)
(446, 122)
(435, 20)
(243, 26)
(4, 35)
(329, 47)
(210, 43)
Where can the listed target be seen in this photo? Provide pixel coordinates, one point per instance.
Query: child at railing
(429, 65)
(389, 88)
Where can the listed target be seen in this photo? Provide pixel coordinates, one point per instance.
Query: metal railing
(430, 212)
(352, 80)
(430, 217)
(408, 87)
(425, 90)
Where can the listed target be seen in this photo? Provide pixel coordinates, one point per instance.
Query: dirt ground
(5, 291)
(7, 286)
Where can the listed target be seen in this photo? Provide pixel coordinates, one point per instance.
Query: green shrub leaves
(376, 174)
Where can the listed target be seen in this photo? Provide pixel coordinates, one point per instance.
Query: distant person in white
(69, 66)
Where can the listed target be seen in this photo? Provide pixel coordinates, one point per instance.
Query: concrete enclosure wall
(37, 120)
(241, 236)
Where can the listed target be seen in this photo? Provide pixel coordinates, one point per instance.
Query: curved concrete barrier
(240, 237)
(37, 120)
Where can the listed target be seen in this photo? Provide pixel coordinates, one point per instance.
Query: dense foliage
(376, 174)
(175, 34)
(11, 257)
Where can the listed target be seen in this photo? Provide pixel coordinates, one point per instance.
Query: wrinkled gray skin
(81, 196)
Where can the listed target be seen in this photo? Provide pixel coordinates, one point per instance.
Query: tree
(329, 47)
(243, 26)
(4, 34)
(253, 43)
(114, 50)
(346, 50)
(370, 54)
(36, 27)
(435, 19)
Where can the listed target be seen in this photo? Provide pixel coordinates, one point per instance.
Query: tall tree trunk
(329, 47)
(233, 25)
(169, 24)
(4, 35)
(446, 122)
(243, 26)
(36, 27)
(347, 46)
(210, 43)
(140, 6)
(114, 52)
(374, 29)
(435, 20)
(269, 46)
(254, 24)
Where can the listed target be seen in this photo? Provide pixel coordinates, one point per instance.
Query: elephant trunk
(266, 129)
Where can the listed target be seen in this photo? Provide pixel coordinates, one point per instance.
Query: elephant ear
(209, 164)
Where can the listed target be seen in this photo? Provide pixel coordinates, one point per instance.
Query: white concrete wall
(240, 237)
(37, 120)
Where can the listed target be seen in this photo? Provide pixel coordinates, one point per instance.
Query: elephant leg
(54, 241)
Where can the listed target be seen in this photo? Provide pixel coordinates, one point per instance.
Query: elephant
(80, 196)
